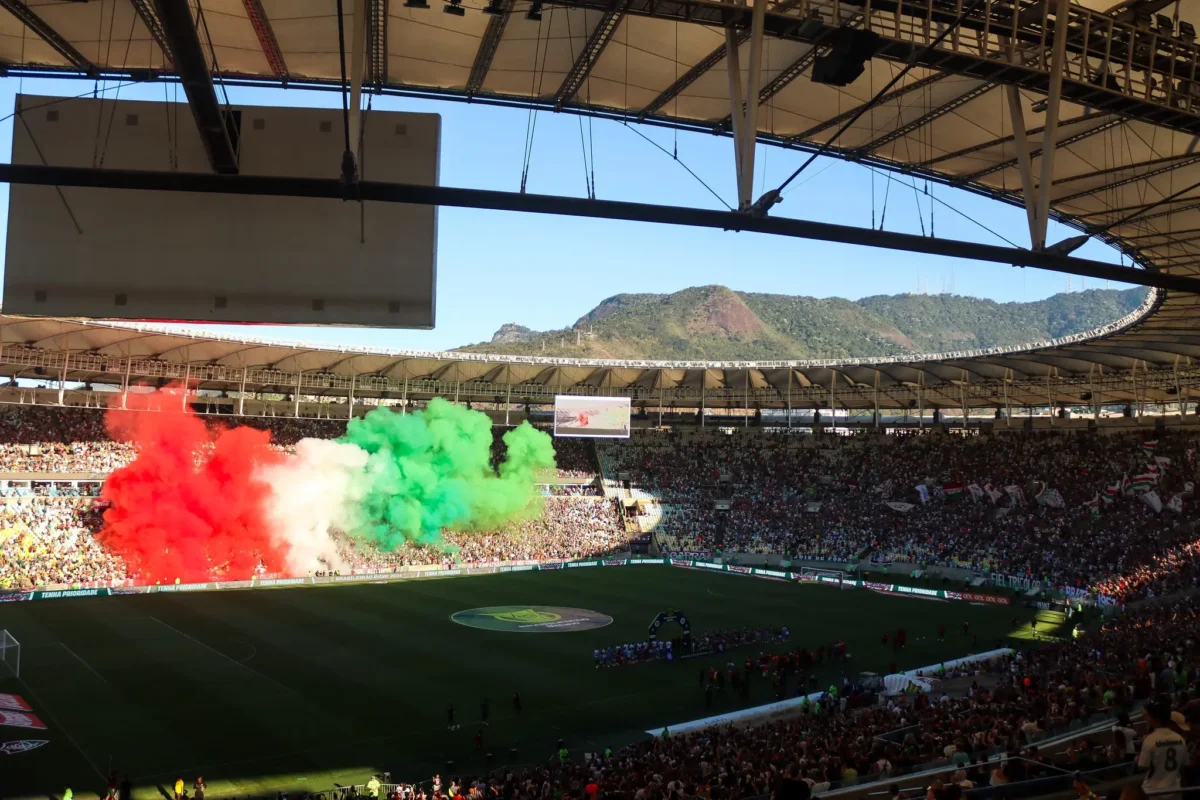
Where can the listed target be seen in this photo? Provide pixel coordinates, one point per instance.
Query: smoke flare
(195, 504)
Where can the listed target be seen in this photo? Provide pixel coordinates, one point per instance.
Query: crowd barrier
(793, 706)
(847, 582)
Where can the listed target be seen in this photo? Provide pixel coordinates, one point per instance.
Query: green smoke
(431, 470)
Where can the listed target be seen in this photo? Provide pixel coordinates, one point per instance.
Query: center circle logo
(531, 619)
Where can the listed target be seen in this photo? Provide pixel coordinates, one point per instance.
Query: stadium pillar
(747, 398)
(1058, 66)
(750, 125)
(832, 398)
(920, 403)
(242, 394)
(358, 52)
(1178, 393)
(62, 376)
(661, 392)
(962, 396)
(1007, 404)
(125, 382)
(404, 399)
(350, 411)
(876, 399)
(508, 395)
(736, 115)
(1049, 399)
(296, 396)
(187, 381)
(789, 398)
(703, 380)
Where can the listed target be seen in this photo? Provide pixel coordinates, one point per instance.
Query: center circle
(531, 619)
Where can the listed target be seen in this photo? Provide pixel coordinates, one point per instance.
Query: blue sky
(545, 272)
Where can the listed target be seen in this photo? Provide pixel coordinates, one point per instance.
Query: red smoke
(188, 506)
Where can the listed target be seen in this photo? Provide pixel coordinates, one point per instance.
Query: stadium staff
(373, 787)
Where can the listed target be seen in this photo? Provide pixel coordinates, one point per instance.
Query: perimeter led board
(596, 417)
(136, 254)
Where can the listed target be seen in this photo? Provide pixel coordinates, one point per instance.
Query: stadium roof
(981, 76)
(98, 351)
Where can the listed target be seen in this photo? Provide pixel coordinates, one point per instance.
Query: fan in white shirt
(1164, 752)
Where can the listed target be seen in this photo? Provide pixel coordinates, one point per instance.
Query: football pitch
(278, 689)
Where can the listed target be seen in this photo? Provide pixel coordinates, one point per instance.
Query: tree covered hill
(716, 323)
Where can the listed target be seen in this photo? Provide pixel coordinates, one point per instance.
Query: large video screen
(598, 417)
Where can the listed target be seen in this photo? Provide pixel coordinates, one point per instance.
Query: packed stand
(1086, 512)
(569, 528)
(47, 542)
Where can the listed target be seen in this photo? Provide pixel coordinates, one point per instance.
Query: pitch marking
(233, 661)
(89, 667)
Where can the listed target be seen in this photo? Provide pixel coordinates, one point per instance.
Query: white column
(62, 376)
(242, 394)
(750, 124)
(296, 396)
(357, 48)
(1058, 65)
(187, 380)
(125, 382)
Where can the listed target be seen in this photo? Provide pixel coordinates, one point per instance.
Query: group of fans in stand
(1081, 511)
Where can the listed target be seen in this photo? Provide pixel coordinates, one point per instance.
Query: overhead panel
(218, 257)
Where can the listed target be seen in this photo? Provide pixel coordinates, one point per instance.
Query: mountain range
(717, 323)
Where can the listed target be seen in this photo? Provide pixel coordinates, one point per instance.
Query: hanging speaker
(847, 57)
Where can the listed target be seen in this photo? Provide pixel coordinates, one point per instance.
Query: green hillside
(716, 323)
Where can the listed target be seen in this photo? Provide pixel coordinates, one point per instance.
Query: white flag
(903, 508)
(976, 492)
(993, 493)
(1176, 504)
(923, 491)
(1152, 499)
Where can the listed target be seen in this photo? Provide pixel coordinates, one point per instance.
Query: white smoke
(313, 492)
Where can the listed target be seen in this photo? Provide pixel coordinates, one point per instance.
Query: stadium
(238, 566)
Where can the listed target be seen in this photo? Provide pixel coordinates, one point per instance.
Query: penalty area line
(77, 657)
(231, 660)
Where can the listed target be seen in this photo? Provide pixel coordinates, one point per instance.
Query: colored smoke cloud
(190, 503)
(195, 503)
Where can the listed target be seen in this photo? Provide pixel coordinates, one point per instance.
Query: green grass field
(301, 688)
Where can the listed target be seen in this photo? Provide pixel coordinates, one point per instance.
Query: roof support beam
(793, 71)
(704, 65)
(488, 44)
(377, 43)
(998, 142)
(377, 191)
(1058, 66)
(266, 38)
(1024, 161)
(927, 117)
(1175, 164)
(1108, 124)
(145, 10)
(895, 94)
(50, 36)
(358, 68)
(599, 38)
(194, 74)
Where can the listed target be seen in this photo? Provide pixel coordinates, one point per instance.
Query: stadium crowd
(48, 542)
(932, 500)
